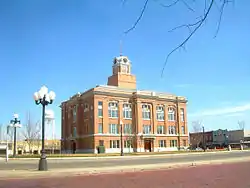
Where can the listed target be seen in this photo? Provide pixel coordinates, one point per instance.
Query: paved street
(120, 161)
(215, 176)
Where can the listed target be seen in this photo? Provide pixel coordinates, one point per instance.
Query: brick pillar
(105, 116)
(154, 124)
(166, 119)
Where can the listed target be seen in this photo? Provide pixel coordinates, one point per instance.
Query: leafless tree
(197, 131)
(192, 27)
(241, 125)
(31, 132)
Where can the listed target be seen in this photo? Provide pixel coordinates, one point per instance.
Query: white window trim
(146, 108)
(163, 144)
(127, 108)
(172, 110)
(117, 129)
(164, 131)
(113, 107)
(160, 110)
(146, 132)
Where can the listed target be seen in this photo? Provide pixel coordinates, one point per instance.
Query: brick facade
(83, 129)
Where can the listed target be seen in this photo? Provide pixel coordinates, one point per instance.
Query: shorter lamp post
(15, 123)
(121, 138)
(203, 135)
(44, 98)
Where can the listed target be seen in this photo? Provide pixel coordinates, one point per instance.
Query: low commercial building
(118, 115)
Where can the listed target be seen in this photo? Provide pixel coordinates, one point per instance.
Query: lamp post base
(43, 166)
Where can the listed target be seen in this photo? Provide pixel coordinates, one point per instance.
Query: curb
(130, 156)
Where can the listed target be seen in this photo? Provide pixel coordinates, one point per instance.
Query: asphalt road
(29, 164)
(212, 176)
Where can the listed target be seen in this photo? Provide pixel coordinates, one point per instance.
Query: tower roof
(121, 60)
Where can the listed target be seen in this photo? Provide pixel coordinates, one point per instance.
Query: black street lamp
(44, 98)
(15, 123)
(203, 135)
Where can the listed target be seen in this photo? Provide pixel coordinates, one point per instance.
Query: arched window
(113, 109)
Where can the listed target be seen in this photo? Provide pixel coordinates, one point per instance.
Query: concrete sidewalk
(12, 174)
(129, 156)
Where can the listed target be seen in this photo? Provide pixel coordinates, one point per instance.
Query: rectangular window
(100, 109)
(113, 110)
(162, 143)
(160, 113)
(114, 143)
(127, 111)
(146, 129)
(113, 129)
(173, 143)
(160, 129)
(182, 115)
(100, 128)
(127, 144)
(171, 114)
(74, 114)
(171, 129)
(146, 112)
(183, 130)
(127, 129)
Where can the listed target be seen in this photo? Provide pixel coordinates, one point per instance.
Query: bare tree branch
(198, 24)
(31, 132)
(221, 13)
(139, 18)
(241, 125)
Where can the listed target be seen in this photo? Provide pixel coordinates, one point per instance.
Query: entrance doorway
(148, 145)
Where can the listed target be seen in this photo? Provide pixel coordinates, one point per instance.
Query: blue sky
(69, 46)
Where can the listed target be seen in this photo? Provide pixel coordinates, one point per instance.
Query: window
(101, 142)
(127, 144)
(100, 128)
(113, 110)
(146, 129)
(127, 111)
(183, 130)
(74, 114)
(173, 143)
(100, 109)
(127, 129)
(160, 113)
(145, 111)
(113, 129)
(86, 107)
(172, 130)
(162, 143)
(74, 132)
(171, 114)
(184, 142)
(114, 143)
(160, 129)
(182, 115)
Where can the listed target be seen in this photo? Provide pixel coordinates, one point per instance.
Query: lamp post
(203, 135)
(15, 123)
(121, 138)
(44, 98)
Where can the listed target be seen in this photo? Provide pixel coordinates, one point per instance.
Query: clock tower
(122, 76)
